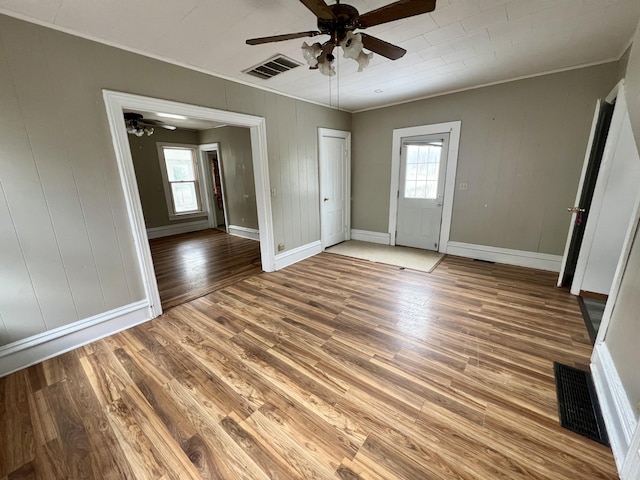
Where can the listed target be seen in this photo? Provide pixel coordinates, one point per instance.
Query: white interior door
(423, 163)
(335, 185)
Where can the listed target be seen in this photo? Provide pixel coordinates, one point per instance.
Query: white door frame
(328, 132)
(622, 425)
(576, 203)
(453, 129)
(619, 273)
(619, 112)
(115, 103)
(208, 174)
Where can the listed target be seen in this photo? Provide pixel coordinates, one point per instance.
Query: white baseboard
(298, 254)
(244, 232)
(168, 230)
(371, 237)
(617, 411)
(542, 261)
(29, 351)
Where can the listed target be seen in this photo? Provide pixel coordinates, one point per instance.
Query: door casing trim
(453, 129)
(115, 103)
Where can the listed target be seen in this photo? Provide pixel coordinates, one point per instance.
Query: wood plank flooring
(334, 368)
(191, 265)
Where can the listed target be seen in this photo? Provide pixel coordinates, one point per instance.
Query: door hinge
(398, 194)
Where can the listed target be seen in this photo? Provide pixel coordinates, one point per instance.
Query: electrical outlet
(463, 186)
(280, 247)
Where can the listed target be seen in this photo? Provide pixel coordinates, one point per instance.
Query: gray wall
(624, 329)
(149, 177)
(521, 150)
(67, 250)
(237, 170)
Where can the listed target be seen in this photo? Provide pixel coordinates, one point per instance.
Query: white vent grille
(272, 67)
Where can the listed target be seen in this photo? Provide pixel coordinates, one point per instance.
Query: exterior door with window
(423, 163)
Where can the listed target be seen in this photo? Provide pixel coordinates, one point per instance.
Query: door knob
(326, 199)
(576, 210)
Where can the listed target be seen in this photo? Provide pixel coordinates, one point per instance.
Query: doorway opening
(116, 103)
(218, 202)
(586, 187)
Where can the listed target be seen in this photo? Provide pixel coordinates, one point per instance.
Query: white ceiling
(460, 45)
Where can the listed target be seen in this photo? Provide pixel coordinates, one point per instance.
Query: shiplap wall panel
(26, 180)
(284, 112)
(60, 176)
(90, 156)
(304, 137)
(4, 332)
(273, 151)
(295, 187)
(17, 296)
(309, 153)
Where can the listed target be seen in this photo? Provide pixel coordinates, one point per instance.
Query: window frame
(168, 193)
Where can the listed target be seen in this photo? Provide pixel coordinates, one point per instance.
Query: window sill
(180, 216)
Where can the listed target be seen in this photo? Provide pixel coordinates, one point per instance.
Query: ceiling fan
(138, 125)
(339, 22)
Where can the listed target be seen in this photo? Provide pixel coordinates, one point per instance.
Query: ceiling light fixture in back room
(339, 22)
(138, 125)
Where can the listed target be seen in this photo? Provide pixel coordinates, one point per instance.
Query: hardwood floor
(191, 265)
(334, 368)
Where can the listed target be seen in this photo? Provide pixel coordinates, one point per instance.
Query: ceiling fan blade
(149, 122)
(381, 47)
(280, 38)
(396, 11)
(319, 8)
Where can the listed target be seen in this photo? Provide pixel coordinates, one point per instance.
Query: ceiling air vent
(272, 67)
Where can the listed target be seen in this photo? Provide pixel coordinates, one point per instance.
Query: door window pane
(422, 171)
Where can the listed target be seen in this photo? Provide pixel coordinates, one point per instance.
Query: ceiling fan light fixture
(339, 20)
(352, 45)
(326, 68)
(363, 60)
(311, 53)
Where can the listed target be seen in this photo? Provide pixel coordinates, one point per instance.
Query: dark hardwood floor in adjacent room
(333, 368)
(191, 265)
